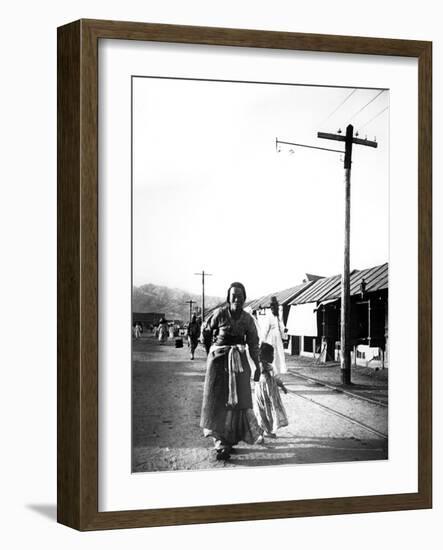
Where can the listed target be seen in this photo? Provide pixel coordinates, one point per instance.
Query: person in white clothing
(274, 332)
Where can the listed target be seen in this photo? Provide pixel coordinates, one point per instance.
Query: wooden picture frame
(77, 457)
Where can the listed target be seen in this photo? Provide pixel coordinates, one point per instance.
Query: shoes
(260, 440)
(223, 454)
(271, 435)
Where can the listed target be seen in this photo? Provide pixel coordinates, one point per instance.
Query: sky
(211, 191)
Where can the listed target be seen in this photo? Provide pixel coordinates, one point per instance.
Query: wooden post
(203, 274)
(345, 324)
(345, 318)
(203, 294)
(369, 322)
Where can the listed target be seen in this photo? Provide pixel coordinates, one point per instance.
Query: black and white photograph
(177, 233)
(260, 261)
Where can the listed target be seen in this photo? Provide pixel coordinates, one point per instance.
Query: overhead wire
(367, 104)
(338, 107)
(373, 118)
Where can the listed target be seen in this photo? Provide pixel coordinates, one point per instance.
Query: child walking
(268, 406)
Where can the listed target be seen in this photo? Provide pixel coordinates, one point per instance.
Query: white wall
(28, 215)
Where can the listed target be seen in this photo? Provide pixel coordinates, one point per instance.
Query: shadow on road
(304, 391)
(313, 450)
(285, 451)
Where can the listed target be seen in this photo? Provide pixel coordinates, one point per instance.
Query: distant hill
(170, 301)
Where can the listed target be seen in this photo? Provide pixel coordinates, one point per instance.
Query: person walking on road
(193, 335)
(274, 332)
(138, 329)
(268, 406)
(227, 409)
(162, 331)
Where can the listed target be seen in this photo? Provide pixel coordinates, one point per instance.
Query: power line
(368, 103)
(277, 143)
(338, 107)
(374, 117)
(345, 313)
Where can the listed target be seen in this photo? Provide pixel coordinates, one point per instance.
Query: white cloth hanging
(302, 320)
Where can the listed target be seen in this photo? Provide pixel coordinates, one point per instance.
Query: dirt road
(167, 395)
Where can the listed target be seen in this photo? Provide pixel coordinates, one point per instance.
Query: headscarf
(236, 285)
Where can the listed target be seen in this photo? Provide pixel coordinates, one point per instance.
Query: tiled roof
(376, 278)
(283, 296)
(318, 290)
(329, 288)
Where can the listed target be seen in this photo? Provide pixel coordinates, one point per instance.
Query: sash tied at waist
(234, 367)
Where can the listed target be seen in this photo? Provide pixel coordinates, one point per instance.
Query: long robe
(226, 422)
(268, 406)
(163, 332)
(273, 333)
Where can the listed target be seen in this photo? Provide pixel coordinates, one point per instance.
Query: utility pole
(190, 302)
(203, 275)
(345, 321)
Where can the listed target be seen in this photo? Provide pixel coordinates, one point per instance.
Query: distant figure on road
(138, 329)
(268, 406)
(274, 332)
(227, 410)
(193, 335)
(162, 331)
